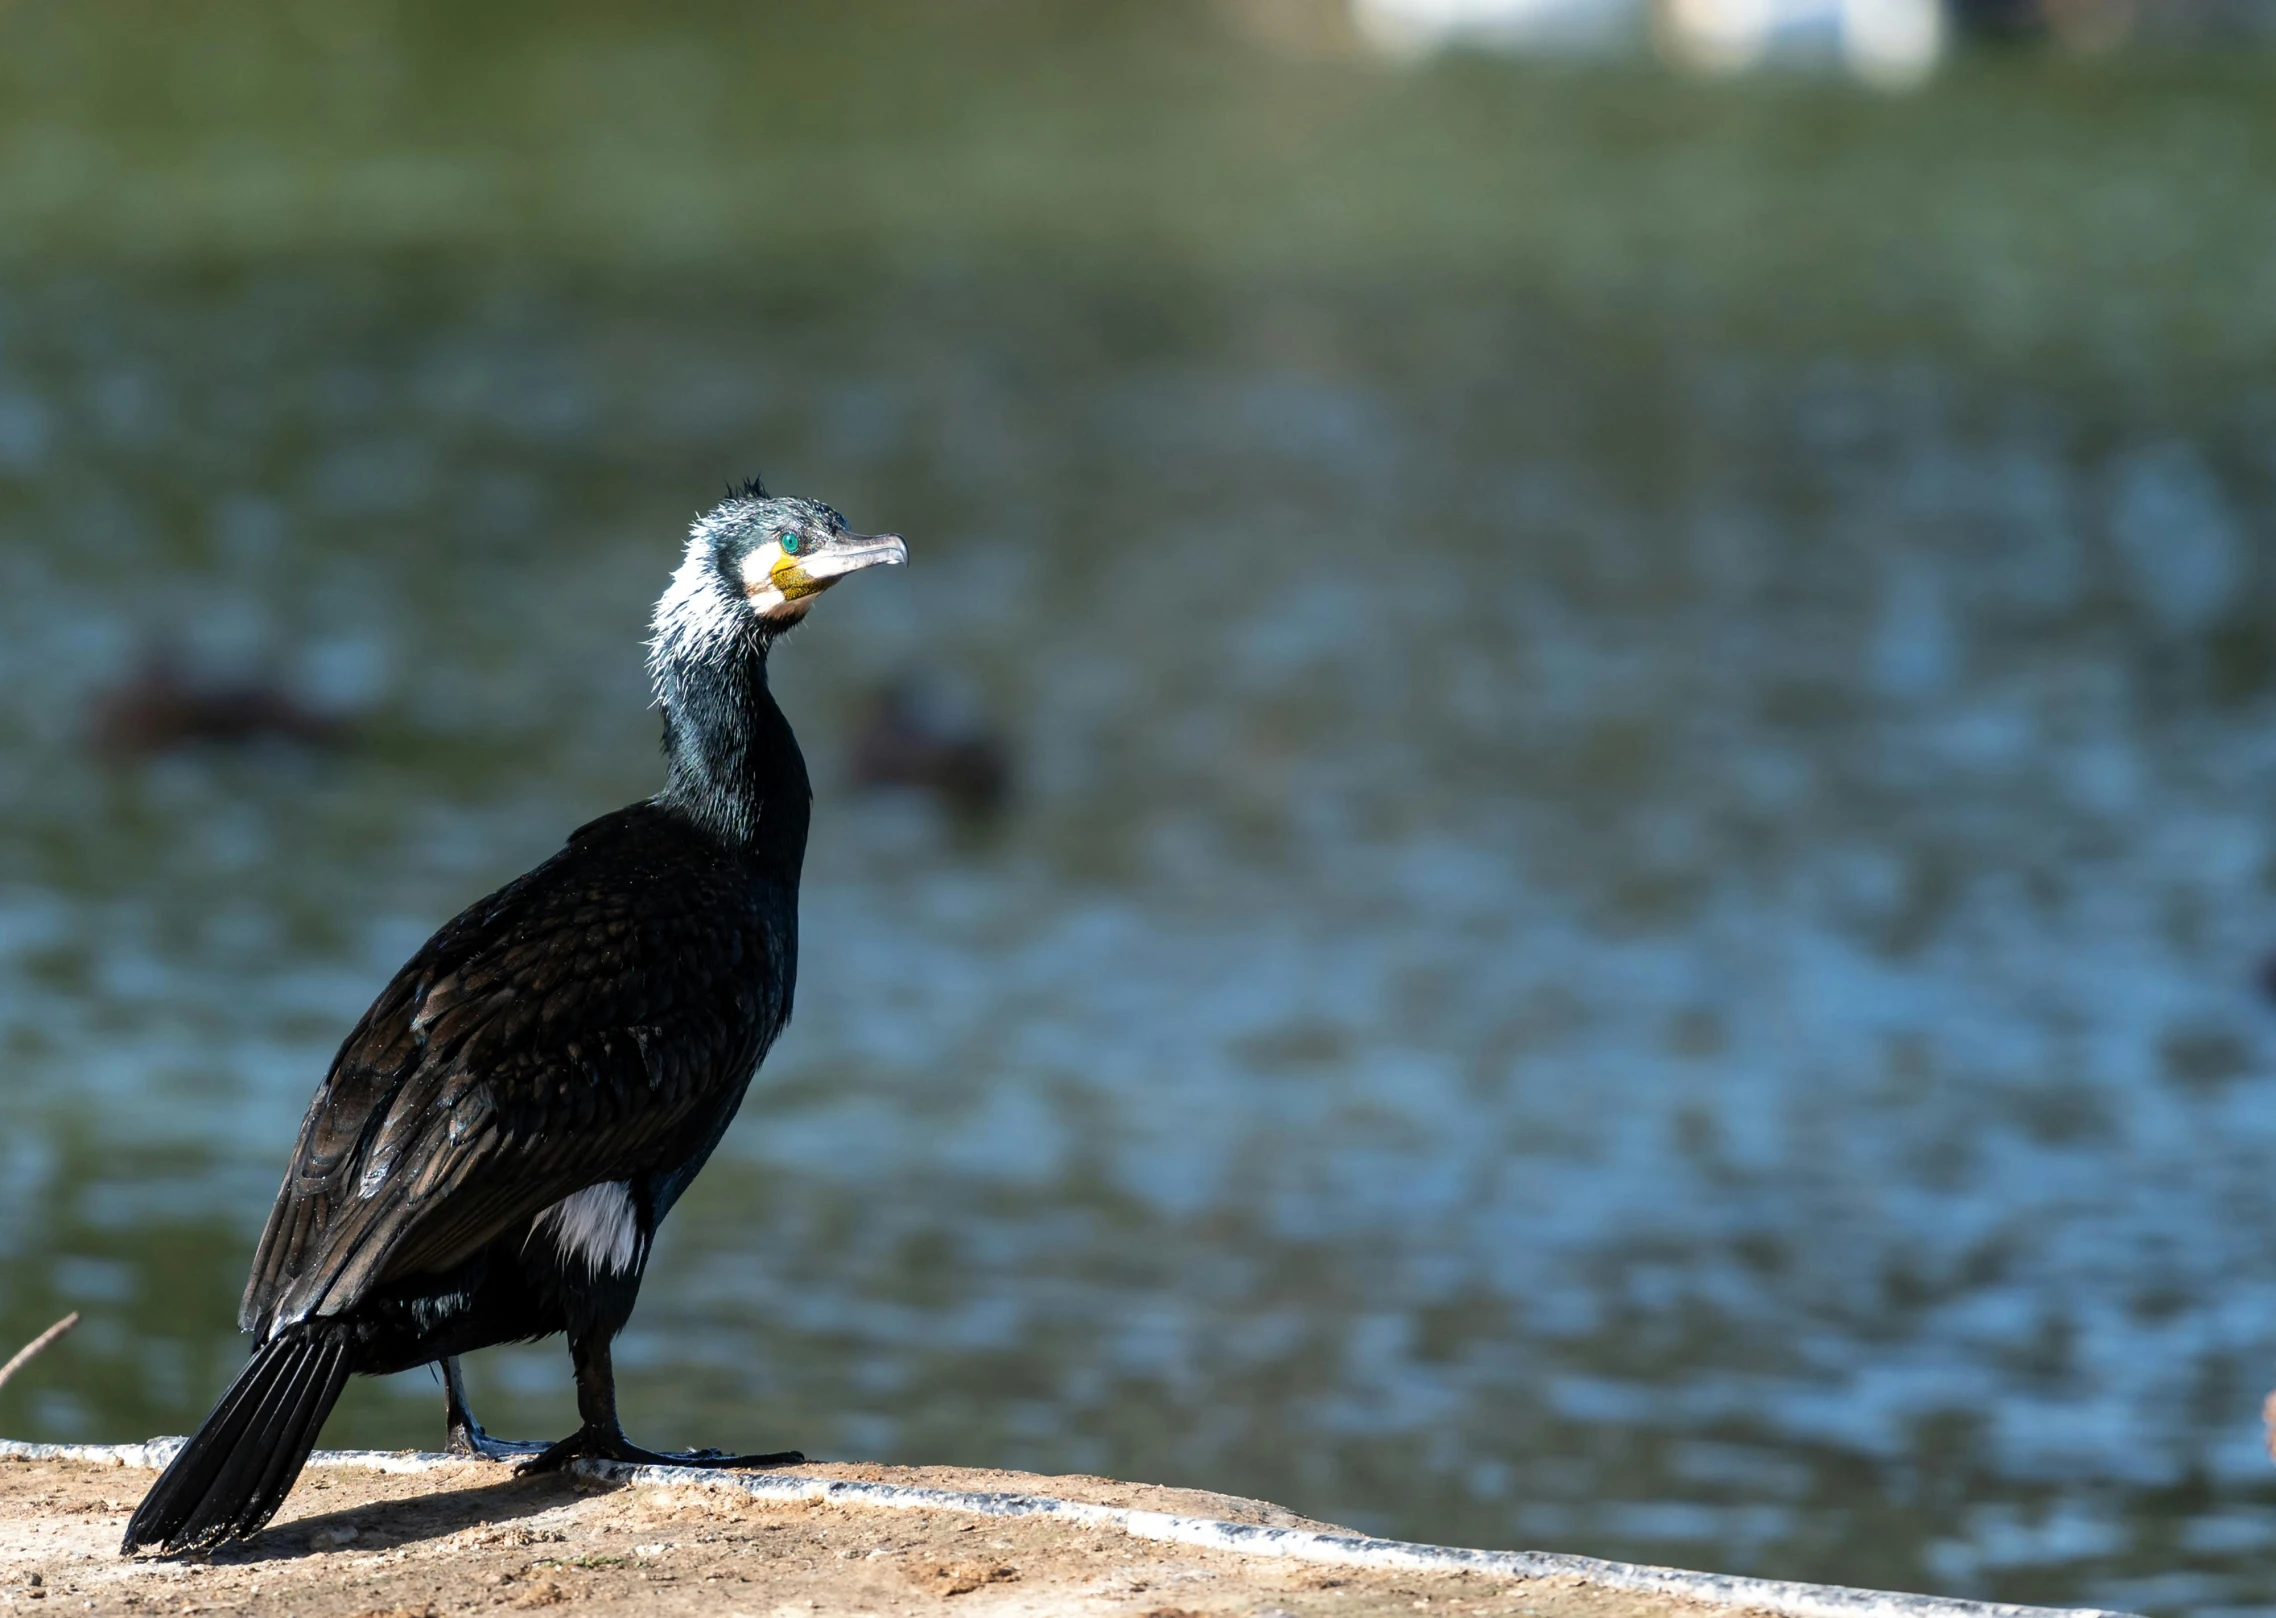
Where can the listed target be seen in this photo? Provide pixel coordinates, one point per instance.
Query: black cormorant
(499, 1137)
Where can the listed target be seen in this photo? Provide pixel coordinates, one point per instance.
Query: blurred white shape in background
(1413, 27)
(1892, 44)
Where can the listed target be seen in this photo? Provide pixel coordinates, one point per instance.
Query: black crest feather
(754, 487)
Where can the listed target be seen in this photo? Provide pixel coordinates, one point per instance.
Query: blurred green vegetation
(2025, 209)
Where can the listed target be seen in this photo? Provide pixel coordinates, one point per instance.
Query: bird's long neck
(731, 763)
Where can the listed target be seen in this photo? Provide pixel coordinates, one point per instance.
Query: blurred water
(1639, 953)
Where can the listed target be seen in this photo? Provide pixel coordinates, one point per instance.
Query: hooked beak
(850, 553)
(799, 576)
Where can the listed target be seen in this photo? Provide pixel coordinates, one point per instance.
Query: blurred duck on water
(913, 737)
(166, 704)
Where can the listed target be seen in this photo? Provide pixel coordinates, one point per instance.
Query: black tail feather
(230, 1478)
(300, 1419)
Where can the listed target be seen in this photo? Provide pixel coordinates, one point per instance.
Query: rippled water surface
(1638, 949)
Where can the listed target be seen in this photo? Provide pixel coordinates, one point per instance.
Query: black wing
(577, 1026)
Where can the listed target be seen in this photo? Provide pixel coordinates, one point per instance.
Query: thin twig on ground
(24, 1354)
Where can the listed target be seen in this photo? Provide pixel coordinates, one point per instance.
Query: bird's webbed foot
(610, 1444)
(601, 1438)
(471, 1440)
(465, 1435)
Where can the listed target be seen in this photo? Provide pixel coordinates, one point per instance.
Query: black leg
(466, 1434)
(602, 1439)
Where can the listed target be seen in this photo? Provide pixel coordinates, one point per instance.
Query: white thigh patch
(596, 1225)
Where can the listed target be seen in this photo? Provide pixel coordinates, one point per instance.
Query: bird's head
(776, 554)
(754, 564)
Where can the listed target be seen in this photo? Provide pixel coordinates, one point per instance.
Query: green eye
(789, 543)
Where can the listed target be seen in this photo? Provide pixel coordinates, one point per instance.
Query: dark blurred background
(1566, 837)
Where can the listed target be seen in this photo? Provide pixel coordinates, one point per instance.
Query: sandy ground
(352, 1543)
